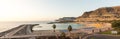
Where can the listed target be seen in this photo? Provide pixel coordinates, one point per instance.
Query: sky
(44, 10)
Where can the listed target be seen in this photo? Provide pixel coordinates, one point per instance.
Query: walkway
(18, 32)
(102, 36)
(14, 31)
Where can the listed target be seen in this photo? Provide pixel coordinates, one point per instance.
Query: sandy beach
(90, 27)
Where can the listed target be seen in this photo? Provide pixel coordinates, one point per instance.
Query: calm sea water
(43, 25)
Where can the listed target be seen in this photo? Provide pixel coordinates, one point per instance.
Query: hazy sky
(40, 10)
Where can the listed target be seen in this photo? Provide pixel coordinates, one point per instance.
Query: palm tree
(69, 28)
(54, 27)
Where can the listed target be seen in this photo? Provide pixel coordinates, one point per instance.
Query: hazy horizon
(48, 10)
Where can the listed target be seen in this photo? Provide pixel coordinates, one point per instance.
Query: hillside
(101, 14)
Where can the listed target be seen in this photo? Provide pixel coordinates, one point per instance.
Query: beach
(90, 27)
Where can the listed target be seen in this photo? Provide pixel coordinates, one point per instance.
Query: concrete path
(14, 31)
(102, 36)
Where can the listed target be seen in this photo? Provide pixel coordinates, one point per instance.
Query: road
(101, 36)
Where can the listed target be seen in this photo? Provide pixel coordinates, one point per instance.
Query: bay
(43, 25)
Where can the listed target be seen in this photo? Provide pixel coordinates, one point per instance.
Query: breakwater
(20, 30)
(7, 31)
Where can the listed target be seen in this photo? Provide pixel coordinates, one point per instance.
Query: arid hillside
(101, 14)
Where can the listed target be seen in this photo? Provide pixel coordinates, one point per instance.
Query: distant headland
(64, 20)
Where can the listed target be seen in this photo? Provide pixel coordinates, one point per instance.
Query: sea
(43, 25)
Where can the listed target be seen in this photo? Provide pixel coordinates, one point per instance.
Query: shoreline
(97, 26)
(87, 26)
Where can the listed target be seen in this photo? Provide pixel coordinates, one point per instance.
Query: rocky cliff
(101, 14)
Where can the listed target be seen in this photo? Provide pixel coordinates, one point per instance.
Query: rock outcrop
(101, 14)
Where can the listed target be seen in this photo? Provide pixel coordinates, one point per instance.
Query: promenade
(102, 36)
(25, 32)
